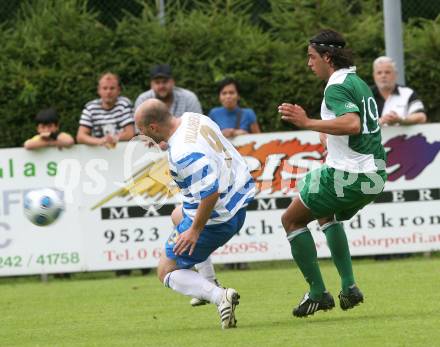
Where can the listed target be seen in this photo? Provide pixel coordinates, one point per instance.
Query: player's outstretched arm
(347, 124)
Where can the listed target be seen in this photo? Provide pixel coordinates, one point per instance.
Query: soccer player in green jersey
(353, 175)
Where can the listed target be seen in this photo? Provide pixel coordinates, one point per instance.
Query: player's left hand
(294, 114)
(186, 241)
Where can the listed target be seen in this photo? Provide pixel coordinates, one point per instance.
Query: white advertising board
(110, 223)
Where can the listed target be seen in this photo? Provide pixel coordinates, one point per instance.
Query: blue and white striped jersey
(202, 161)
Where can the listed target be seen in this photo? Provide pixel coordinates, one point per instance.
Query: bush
(52, 53)
(422, 48)
(204, 48)
(50, 57)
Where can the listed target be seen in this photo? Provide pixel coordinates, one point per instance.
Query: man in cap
(162, 84)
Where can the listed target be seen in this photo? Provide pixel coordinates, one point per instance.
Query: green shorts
(327, 191)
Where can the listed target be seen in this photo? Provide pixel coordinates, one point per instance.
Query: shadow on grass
(325, 319)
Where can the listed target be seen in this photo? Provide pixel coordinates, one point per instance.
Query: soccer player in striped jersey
(216, 187)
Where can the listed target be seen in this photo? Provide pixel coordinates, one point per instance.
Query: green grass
(401, 309)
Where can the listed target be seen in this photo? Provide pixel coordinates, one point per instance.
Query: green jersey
(346, 92)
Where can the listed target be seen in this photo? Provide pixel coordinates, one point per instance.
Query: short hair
(385, 60)
(332, 43)
(155, 112)
(47, 116)
(226, 82)
(109, 74)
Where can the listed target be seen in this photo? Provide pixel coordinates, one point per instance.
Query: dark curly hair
(332, 43)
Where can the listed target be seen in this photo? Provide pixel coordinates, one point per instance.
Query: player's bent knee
(161, 273)
(325, 220)
(290, 223)
(165, 266)
(287, 222)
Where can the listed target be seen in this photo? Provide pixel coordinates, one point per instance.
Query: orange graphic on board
(288, 148)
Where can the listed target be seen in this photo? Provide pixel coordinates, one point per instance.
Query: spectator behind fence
(162, 84)
(396, 104)
(232, 119)
(48, 130)
(109, 119)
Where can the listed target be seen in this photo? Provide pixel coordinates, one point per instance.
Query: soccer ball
(43, 206)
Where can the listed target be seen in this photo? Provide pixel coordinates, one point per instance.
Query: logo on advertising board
(409, 156)
(276, 166)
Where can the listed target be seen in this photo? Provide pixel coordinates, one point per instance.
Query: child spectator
(48, 132)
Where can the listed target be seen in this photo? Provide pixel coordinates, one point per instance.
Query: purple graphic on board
(412, 154)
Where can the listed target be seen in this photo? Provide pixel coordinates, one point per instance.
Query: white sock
(191, 283)
(206, 269)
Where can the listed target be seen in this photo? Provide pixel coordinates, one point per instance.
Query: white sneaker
(198, 302)
(194, 302)
(226, 308)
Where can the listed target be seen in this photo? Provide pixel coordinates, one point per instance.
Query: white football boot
(226, 308)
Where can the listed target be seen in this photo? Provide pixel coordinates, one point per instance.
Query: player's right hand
(293, 114)
(186, 242)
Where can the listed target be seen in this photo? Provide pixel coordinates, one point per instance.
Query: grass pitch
(401, 308)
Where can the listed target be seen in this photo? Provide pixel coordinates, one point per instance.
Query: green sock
(338, 245)
(304, 252)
